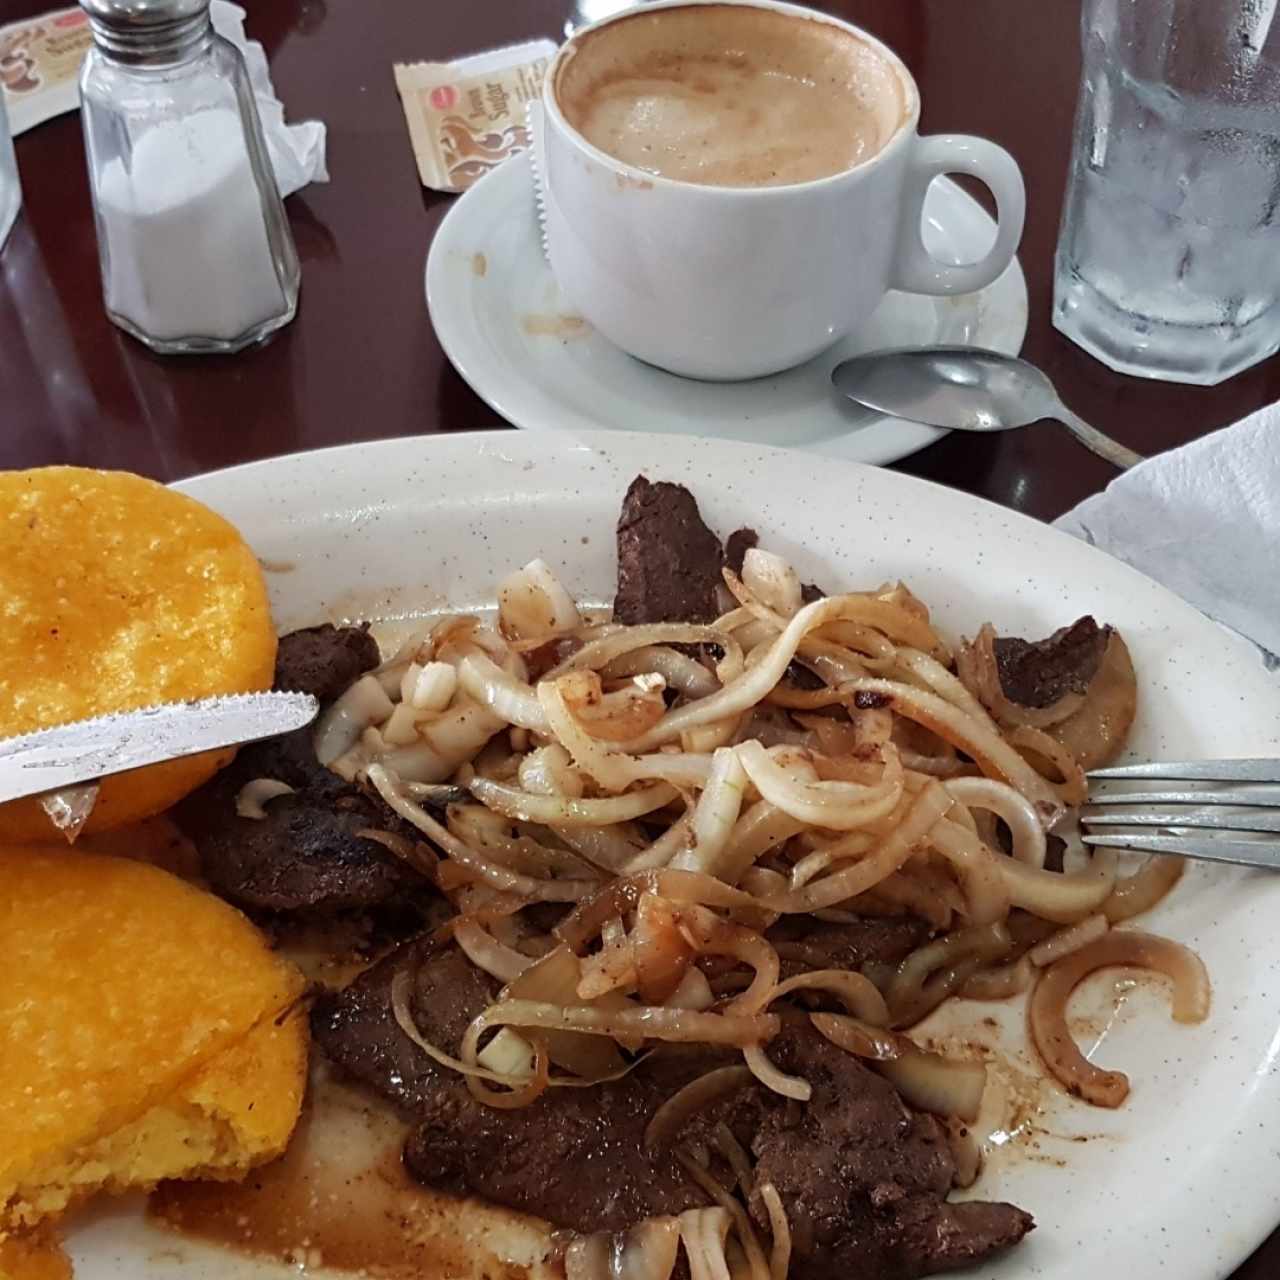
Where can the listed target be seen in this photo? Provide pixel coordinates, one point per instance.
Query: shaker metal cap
(141, 15)
(147, 32)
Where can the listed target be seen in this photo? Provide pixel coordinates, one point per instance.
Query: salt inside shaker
(195, 247)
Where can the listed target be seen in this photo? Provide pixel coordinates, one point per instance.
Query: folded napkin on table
(1204, 521)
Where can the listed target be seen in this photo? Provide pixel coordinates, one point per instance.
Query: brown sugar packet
(467, 116)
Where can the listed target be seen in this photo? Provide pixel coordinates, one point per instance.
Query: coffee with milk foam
(731, 96)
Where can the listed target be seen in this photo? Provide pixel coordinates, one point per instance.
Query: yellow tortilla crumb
(34, 1255)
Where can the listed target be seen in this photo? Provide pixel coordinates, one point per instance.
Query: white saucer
(499, 316)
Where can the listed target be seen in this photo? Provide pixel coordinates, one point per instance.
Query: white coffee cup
(724, 282)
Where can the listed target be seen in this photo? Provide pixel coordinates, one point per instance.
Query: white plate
(1180, 1183)
(499, 316)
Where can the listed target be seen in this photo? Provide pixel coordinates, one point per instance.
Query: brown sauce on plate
(339, 1198)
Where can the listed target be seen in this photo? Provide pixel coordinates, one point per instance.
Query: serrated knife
(86, 750)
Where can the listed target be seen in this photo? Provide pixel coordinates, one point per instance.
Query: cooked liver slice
(304, 856)
(863, 1179)
(358, 1031)
(1036, 673)
(575, 1157)
(669, 562)
(323, 661)
(736, 547)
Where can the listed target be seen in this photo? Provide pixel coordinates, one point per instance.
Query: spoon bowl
(965, 389)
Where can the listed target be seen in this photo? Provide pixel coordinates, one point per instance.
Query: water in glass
(1168, 261)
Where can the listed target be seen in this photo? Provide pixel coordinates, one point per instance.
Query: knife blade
(85, 750)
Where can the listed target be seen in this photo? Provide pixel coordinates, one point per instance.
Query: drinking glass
(10, 188)
(1168, 262)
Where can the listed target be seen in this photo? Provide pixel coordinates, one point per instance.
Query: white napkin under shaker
(297, 150)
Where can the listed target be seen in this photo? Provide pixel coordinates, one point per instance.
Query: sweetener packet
(467, 116)
(40, 66)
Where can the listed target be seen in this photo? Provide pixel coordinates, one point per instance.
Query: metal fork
(1230, 814)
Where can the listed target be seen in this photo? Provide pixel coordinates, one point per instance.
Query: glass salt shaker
(196, 252)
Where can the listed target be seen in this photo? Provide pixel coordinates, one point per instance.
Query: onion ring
(511, 700)
(857, 993)
(758, 1268)
(528, 806)
(1063, 897)
(943, 1086)
(1074, 787)
(753, 684)
(648, 1021)
(977, 869)
(764, 1070)
(669, 1120)
(703, 1233)
(932, 972)
(863, 1039)
(621, 895)
(255, 793)
(1067, 941)
(599, 653)
(993, 755)
(932, 675)
(1047, 1012)
(1000, 982)
(976, 664)
(780, 1254)
(1029, 843)
(680, 671)
(931, 804)
(711, 935)
(497, 876)
(487, 953)
(1142, 890)
(713, 819)
(834, 806)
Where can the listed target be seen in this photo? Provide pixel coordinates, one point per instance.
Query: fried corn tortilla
(140, 1032)
(118, 593)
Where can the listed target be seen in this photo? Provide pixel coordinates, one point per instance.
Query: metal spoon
(966, 389)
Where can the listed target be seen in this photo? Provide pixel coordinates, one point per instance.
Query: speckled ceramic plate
(1181, 1182)
(498, 314)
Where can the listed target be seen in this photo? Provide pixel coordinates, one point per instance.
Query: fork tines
(1258, 769)
(1237, 823)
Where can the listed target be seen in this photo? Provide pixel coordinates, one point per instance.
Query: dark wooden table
(361, 362)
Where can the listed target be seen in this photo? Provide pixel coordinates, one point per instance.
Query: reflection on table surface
(360, 362)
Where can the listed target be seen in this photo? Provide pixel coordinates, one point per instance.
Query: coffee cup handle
(916, 269)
